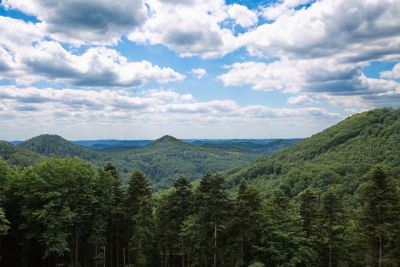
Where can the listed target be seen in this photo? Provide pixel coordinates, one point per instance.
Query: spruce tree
(333, 226)
(119, 222)
(211, 208)
(380, 216)
(140, 211)
(246, 226)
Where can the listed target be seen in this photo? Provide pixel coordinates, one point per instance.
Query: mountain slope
(338, 157)
(167, 157)
(56, 145)
(18, 156)
(162, 160)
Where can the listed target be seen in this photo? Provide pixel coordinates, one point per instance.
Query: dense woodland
(162, 160)
(331, 200)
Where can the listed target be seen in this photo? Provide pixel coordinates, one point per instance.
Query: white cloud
(359, 30)
(84, 22)
(286, 7)
(300, 100)
(311, 76)
(193, 27)
(242, 15)
(199, 72)
(392, 74)
(97, 66)
(90, 108)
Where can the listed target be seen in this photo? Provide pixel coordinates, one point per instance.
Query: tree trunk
(123, 253)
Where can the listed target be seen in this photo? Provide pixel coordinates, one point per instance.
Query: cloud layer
(34, 106)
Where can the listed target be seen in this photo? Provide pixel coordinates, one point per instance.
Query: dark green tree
(211, 213)
(333, 223)
(119, 222)
(173, 209)
(58, 196)
(380, 217)
(140, 211)
(282, 241)
(309, 212)
(246, 224)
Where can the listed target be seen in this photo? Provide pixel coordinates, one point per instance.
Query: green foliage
(380, 217)
(4, 223)
(339, 157)
(54, 145)
(162, 161)
(18, 156)
(57, 199)
(325, 202)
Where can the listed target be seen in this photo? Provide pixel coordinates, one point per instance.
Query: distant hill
(168, 157)
(105, 144)
(338, 157)
(161, 160)
(56, 145)
(18, 156)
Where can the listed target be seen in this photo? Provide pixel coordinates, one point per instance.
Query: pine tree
(173, 208)
(309, 213)
(211, 209)
(333, 226)
(119, 222)
(246, 228)
(140, 211)
(138, 187)
(142, 241)
(380, 216)
(282, 241)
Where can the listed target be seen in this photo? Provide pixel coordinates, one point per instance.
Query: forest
(330, 200)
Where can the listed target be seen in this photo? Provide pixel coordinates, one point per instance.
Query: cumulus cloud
(392, 74)
(84, 22)
(17, 34)
(199, 72)
(352, 30)
(97, 66)
(193, 27)
(316, 76)
(242, 15)
(321, 48)
(280, 8)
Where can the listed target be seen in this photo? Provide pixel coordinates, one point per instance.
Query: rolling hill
(161, 160)
(339, 157)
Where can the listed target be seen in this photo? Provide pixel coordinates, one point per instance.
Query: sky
(140, 69)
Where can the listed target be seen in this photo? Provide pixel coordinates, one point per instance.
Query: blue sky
(139, 69)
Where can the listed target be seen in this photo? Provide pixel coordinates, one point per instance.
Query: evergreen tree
(119, 223)
(246, 228)
(173, 209)
(211, 211)
(282, 241)
(140, 211)
(333, 227)
(138, 187)
(309, 213)
(101, 213)
(379, 220)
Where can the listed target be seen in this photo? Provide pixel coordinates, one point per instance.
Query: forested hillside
(162, 160)
(338, 157)
(331, 200)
